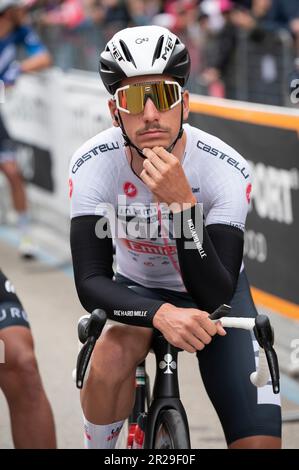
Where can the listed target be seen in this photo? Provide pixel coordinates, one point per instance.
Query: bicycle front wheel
(170, 432)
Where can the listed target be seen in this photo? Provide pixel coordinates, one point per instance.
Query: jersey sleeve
(91, 182)
(30, 40)
(228, 198)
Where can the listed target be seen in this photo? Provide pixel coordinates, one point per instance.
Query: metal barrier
(78, 48)
(70, 48)
(260, 69)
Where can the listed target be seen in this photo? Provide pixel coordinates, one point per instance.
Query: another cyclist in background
(157, 164)
(30, 412)
(15, 33)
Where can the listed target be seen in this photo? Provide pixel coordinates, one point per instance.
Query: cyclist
(149, 156)
(30, 412)
(15, 33)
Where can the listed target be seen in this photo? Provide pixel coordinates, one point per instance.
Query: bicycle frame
(166, 388)
(165, 395)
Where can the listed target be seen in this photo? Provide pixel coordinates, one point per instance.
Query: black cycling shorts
(226, 364)
(7, 145)
(11, 309)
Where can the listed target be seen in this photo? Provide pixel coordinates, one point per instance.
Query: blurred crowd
(76, 30)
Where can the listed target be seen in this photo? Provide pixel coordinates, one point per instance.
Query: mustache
(152, 127)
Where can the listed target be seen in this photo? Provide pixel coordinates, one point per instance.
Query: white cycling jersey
(99, 173)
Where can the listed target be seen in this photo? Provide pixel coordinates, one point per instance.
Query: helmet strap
(129, 143)
(180, 133)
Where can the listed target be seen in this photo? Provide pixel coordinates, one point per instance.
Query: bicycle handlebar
(264, 335)
(90, 328)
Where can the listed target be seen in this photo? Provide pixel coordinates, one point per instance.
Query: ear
(185, 105)
(113, 112)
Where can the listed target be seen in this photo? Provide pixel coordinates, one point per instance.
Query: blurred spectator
(255, 22)
(60, 21)
(110, 15)
(15, 34)
(94, 10)
(283, 12)
(220, 46)
(271, 15)
(214, 9)
(68, 13)
(243, 3)
(143, 11)
(286, 14)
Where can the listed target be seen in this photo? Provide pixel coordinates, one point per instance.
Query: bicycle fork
(166, 393)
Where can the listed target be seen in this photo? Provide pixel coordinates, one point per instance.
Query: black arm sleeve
(92, 262)
(210, 269)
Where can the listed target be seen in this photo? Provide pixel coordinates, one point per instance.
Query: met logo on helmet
(116, 54)
(169, 46)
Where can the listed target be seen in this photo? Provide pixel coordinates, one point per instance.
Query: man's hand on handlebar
(186, 328)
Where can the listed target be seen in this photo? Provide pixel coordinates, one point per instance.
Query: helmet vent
(127, 53)
(158, 49)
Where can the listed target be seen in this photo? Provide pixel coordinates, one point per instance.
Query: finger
(198, 344)
(148, 153)
(220, 330)
(201, 334)
(164, 155)
(182, 344)
(147, 179)
(187, 347)
(208, 325)
(157, 162)
(194, 341)
(151, 170)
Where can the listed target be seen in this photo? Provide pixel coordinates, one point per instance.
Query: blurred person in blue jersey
(15, 33)
(31, 417)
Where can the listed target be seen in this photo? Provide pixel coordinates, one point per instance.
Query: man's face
(5, 24)
(152, 127)
(8, 19)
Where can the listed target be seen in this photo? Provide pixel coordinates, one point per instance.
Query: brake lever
(89, 331)
(220, 312)
(265, 337)
(92, 326)
(83, 361)
(274, 369)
